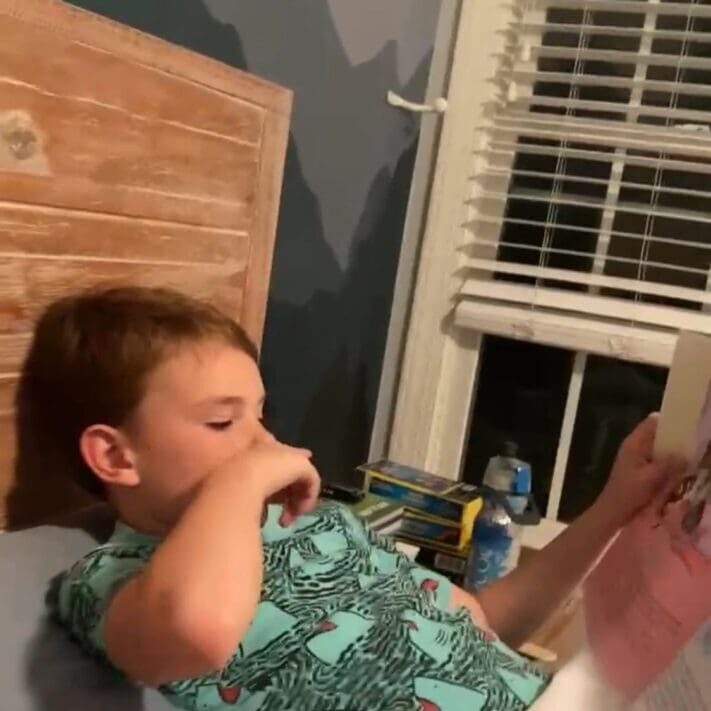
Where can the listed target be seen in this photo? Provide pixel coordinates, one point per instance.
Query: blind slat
(549, 251)
(537, 29)
(542, 196)
(568, 179)
(641, 345)
(641, 7)
(620, 58)
(530, 77)
(564, 301)
(498, 219)
(611, 107)
(509, 150)
(632, 286)
(679, 137)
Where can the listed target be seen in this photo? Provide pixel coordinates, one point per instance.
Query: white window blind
(591, 202)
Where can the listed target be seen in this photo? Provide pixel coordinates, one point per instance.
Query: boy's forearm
(185, 614)
(517, 605)
(212, 559)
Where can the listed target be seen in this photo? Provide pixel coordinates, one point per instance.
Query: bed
(123, 159)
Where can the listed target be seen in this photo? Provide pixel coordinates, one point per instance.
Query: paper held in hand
(651, 592)
(686, 684)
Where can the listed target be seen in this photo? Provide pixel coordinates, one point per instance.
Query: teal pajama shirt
(344, 623)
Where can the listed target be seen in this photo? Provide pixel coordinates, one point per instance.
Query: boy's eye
(221, 425)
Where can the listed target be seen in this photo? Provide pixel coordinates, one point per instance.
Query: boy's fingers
(299, 498)
(672, 470)
(675, 464)
(639, 443)
(309, 495)
(642, 436)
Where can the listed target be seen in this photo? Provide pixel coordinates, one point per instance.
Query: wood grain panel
(8, 384)
(13, 348)
(39, 230)
(151, 94)
(28, 285)
(62, 138)
(7, 461)
(265, 222)
(84, 27)
(86, 194)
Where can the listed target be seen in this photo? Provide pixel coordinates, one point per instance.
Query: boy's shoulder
(126, 546)
(79, 597)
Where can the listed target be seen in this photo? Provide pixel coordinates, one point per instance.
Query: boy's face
(201, 407)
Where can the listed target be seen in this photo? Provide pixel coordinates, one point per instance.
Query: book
(425, 494)
(649, 594)
(434, 532)
(686, 684)
(378, 514)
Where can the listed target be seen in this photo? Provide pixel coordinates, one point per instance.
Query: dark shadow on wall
(338, 338)
(322, 360)
(322, 357)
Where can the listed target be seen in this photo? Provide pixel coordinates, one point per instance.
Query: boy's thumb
(670, 472)
(674, 466)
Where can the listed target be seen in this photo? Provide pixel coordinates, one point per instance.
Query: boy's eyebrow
(228, 400)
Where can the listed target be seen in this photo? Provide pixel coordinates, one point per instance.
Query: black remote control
(347, 494)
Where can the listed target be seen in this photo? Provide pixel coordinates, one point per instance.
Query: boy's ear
(108, 454)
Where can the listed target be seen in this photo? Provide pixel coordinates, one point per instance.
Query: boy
(224, 583)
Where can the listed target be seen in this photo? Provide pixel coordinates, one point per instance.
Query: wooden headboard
(123, 159)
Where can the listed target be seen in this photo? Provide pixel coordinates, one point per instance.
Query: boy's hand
(277, 474)
(637, 477)
(518, 604)
(289, 478)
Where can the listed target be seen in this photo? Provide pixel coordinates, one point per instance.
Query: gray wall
(346, 185)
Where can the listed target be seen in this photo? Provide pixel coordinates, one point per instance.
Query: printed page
(643, 602)
(649, 594)
(686, 685)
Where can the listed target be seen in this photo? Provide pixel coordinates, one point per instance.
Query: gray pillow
(40, 669)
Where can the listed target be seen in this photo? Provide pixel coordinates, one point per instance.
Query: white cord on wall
(439, 106)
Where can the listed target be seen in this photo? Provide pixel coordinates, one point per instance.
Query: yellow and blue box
(442, 509)
(438, 533)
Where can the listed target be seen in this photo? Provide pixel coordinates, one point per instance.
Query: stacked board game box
(439, 512)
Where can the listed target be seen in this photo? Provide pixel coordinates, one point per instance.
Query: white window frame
(433, 404)
(435, 397)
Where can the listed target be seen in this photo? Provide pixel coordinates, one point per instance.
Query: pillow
(40, 669)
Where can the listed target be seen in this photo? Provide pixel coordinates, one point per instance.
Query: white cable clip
(438, 107)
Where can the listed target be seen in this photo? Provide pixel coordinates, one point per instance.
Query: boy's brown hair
(92, 353)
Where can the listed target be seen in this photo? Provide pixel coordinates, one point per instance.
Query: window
(581, 249)
(523, 394)
(593, 207)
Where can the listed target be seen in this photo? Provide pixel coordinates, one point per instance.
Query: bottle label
(491, 553)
